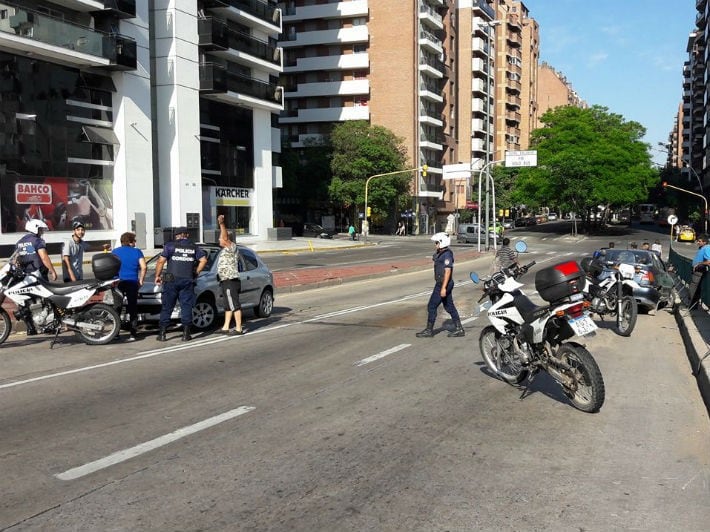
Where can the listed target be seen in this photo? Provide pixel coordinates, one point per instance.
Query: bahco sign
(33, 193)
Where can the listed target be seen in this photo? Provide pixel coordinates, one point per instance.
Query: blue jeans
(435, 300)
(182, 290)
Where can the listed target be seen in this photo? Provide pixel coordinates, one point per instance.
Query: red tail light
(575, 310)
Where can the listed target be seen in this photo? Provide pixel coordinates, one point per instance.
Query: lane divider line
(137, 450)
(382, 354)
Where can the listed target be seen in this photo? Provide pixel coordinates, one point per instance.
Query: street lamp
(705, 216)
(366, 224)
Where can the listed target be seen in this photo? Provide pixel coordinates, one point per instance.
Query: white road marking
(132, 452)
(381, 354)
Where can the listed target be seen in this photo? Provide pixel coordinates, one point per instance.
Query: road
(331, 415)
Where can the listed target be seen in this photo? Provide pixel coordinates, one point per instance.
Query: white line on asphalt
(132, 452)
(382, 354)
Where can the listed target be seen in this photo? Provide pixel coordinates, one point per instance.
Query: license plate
(583, 325)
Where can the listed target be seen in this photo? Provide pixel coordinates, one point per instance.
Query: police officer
(185, 260)
(443, 287)
(31, 251)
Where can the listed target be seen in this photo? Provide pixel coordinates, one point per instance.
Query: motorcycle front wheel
(626, 319)
(586, 391)
(5, 325)
(501, 361)
(104, 324)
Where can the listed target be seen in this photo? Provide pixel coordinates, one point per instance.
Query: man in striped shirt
(506, 257)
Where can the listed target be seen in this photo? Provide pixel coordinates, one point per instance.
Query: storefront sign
(33, 193)
(232, 196)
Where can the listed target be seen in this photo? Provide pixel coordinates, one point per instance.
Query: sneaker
(131, 338)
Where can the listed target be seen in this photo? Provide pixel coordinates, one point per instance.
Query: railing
(266, 12)
(216, 33)
(215, 78)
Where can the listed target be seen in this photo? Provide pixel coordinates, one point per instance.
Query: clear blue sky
(626, 55)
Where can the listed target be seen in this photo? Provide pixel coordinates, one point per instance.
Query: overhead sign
(520, 158)
(457, 171)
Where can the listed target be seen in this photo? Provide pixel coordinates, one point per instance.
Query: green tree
(586, 157)
(360, 151)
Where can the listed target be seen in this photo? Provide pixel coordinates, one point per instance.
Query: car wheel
(266, 304)
(204, 314)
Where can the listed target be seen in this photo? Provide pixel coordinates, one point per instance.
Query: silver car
(257, 290)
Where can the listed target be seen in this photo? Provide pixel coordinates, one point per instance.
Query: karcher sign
(232, 196)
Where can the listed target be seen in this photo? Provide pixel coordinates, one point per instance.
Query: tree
(587, 157)
(360, 151)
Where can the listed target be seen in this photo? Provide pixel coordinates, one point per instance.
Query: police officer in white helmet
(443, 287)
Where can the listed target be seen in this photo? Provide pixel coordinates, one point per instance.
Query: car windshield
(629, 256)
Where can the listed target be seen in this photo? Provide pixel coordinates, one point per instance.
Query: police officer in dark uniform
(185, 260)
(443, 287)
(31, 251)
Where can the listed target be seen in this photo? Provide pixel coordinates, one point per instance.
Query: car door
(250, 278)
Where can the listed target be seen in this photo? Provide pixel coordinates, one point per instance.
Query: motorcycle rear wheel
(504, 363)
(99, 314)
(626, 320)
(5, 325)
(587, 391)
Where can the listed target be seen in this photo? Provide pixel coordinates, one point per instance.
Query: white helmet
(34, 226)
(442, 238)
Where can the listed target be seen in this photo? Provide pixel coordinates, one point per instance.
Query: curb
(698, 352)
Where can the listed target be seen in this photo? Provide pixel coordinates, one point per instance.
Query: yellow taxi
(686, 234)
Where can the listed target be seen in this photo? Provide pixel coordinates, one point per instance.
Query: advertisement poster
(57, 201)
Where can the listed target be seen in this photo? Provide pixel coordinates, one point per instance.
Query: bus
(646, 213)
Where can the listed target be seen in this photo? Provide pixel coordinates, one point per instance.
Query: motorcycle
(525, 338)
(610, 289)
(86, 307)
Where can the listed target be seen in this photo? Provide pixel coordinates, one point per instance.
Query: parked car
(468, 233)
(507, 223)
(552, 217)
(686, 234)
(257, 292)
(317, 231)
(655, 283)
(525, 221)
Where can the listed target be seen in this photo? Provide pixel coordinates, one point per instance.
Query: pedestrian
(73, 254)
(657, 248)
(183, 261)
(131, 277)
(229, 282)
(400, 229)
(646, 246)
(351, 232)
(31, 251)
(443, 287)
(701, 263)
(505, 256)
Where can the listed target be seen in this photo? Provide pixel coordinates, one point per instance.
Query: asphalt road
(332, 415)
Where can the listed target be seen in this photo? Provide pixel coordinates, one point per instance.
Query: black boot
(428, 332)
(162, 335)
(31, 331)
(458, 330)
(186, 336)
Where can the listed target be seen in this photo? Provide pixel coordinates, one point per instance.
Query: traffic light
(369, 212)
(424, 169)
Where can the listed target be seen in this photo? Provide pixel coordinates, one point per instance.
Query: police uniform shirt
(182, 256)
(28, 252)
(442, 259)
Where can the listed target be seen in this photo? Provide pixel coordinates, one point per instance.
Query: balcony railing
(28, 24)
(215, 79)
(122, 8)
(215, 34)
(266, 12)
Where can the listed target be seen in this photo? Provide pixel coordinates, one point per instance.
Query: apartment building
(138, 116)
(554, 90)
(695, 71)
(391, 63)
(674, 147)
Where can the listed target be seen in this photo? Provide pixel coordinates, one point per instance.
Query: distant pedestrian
(657, 248)
(73, 254)
(443, 288)
(351, 232)
(183, 261)
(131, 277)
(646, 246)
(400, 229)
(229, 282)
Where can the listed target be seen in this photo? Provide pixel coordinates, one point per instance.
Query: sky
(626, 55)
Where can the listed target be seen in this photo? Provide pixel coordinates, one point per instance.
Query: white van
(468, 233)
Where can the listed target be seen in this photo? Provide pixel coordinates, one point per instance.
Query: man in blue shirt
(185, 260)
(131, 276)
(701, 261)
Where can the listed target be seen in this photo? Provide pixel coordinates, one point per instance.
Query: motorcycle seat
(68, 288)
(528, 310)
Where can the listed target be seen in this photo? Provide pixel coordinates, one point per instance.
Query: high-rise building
(554, 90)
(694, 144)
(138, 115)
(388, 62)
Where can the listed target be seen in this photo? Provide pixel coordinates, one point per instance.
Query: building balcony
(121, 8)
(354, 35)
(26, 31)
(513, 85)
(480, 65)
(235, 89)
(513, 100)
(514, 39)
(430, 91)
(431, 67)
(430, 17)
(428, 189)
(355, 8)
(331, 88)
(215, 36)
(512, 116)
(330, 62)
(430, 42)
(325, 114)
(480, 46)
(252, 13)
(700, 19)
(426, 118)
(478, 105)
(483, 7)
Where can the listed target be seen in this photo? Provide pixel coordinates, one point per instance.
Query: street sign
(520, 158)
(457, 171)
(672, 219)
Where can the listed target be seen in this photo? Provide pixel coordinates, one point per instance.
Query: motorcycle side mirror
(474, 277)
(521, 246)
